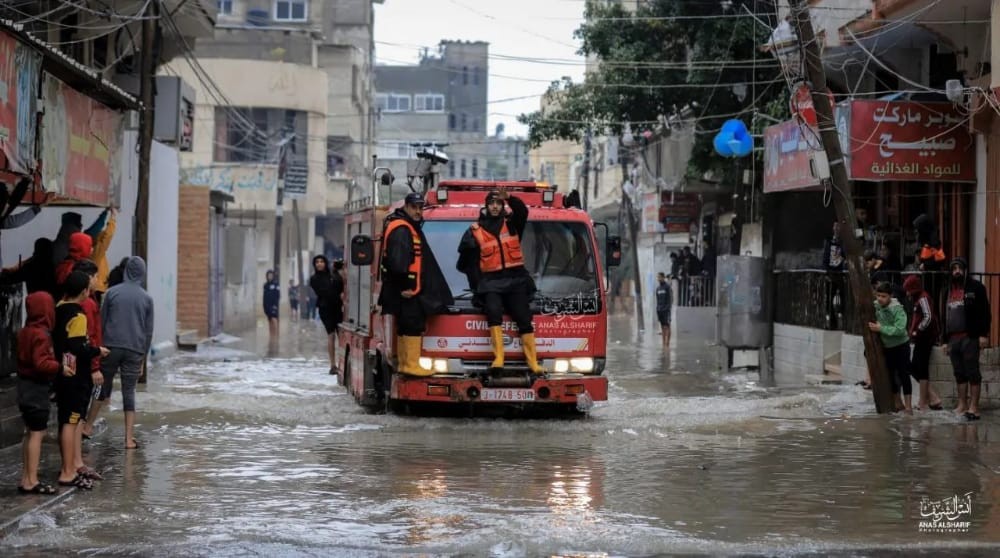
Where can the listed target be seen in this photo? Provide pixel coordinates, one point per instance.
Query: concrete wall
(801, 351)
(241, 302)
(162, 246)
(942, 377)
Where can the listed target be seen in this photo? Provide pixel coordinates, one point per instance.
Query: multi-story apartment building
(286, 94)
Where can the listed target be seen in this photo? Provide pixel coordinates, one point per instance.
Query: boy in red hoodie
(81, 246)
(36, 368)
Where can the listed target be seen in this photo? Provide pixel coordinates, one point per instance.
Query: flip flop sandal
(79, 481)
(90, 474)
(136, 446)
(40, 488)
(971, 417)
(937, 407)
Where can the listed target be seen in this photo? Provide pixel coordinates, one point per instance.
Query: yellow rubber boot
(408, 356)
(531, 353)
(496, 341)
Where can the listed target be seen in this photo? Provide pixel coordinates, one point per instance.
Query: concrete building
(309, 105)
(442, 101)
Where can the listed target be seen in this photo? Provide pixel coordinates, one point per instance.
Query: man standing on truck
(490, 255)
(413, 286)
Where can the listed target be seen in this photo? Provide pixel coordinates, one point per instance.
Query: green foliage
(638, 55)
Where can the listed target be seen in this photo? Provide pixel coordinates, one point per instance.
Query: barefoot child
(36, 368)
(891, 324)
(75, 386)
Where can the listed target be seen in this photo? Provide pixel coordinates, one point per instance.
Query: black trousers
(897, 361)
(517, 304)
(411, 320)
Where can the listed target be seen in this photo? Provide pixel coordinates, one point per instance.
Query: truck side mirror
(613, 251)
(362, 250)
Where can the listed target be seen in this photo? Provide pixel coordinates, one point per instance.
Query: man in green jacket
(891, 326)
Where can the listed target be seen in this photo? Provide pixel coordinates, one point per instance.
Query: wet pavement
(251, 450)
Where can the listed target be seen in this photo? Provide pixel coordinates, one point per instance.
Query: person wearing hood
(328, 288)
(931, 255)
(81, 247)
(490, 255)
(72, 222)
(36, 368)
(924, 332)
(967, 329)
(890, 324)
(37, 272)
(413, 286)
(272, 302)
(127, 315)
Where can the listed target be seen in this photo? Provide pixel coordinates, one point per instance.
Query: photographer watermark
(949, 515)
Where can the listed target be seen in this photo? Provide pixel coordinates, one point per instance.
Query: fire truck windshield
(559, 256)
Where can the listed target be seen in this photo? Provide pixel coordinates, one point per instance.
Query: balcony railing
(695, 291)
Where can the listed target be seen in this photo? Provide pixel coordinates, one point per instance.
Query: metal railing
(695, 291)
(823, 299)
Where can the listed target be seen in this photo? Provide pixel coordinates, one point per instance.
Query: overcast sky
(520, 28)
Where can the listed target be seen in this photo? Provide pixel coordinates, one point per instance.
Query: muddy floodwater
(249, 454)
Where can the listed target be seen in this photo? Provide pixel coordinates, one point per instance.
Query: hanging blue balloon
(733, 140)
(733, 126)
(721, 143)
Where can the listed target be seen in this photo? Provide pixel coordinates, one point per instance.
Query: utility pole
(586, 170)
(633, 233)
(147, 73)
(279, 208)
(844, 204)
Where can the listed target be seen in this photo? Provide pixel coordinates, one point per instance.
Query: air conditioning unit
(174, 121)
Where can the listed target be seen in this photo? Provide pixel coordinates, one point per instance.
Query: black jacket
(435, 294)
(322, 285)
(505, 280)
(978, 318)
(272, 295)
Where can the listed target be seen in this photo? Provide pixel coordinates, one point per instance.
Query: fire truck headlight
(548, 196)
(581, 364)
(440, 365)
(561, 366)
(427, 363)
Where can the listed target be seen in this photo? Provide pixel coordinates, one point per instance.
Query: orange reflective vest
(412, 272)
(927, 253)
(496, 254)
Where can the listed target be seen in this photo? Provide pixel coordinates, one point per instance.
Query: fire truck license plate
(497, 394)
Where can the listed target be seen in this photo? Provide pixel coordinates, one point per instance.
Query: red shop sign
(788, 150)
(906, 140)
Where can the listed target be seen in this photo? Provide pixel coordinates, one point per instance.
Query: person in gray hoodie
(127, 315)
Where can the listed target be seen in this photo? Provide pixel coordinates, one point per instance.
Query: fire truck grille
(480, 367)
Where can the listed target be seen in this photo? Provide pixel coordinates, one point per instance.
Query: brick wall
(192, 258)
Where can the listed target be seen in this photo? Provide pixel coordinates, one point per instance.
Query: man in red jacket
(36, 368)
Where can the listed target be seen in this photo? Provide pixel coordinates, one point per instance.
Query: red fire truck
(570, 308)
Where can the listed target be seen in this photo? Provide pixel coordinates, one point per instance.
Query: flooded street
(245, 454)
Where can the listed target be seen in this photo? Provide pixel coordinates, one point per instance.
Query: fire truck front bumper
(541, 390)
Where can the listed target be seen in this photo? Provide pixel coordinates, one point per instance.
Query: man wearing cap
(967, 325)
(413, 286)
(490, 255)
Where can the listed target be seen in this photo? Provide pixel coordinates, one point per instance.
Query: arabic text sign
(679, 211)
(787, 153)
(82, 145)
(902, 140)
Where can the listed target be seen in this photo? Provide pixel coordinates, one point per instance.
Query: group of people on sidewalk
(85, 324)
(967, 323)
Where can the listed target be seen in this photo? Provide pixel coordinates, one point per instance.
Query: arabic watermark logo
(949, 515)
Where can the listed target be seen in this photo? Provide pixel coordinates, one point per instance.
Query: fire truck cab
(570, 309)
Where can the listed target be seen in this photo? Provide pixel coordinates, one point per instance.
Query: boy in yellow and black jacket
(74, 388)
